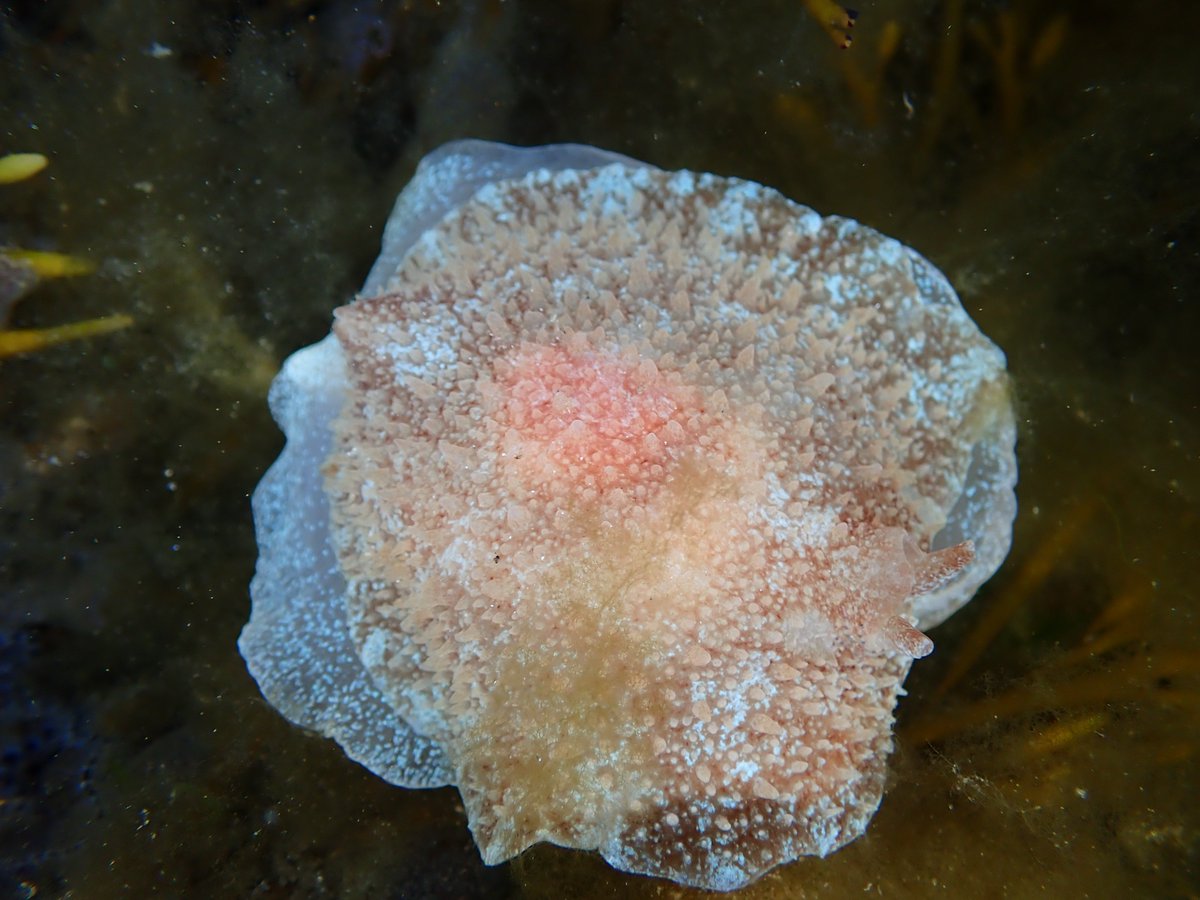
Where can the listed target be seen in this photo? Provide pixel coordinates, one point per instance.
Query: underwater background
(218, 177)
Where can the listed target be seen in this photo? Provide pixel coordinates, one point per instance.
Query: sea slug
(621, 499)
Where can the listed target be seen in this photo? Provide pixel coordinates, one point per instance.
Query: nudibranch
(621, 499)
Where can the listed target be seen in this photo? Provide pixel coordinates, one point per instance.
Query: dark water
(228, 167)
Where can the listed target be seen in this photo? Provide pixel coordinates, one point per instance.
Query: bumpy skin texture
(639, 485)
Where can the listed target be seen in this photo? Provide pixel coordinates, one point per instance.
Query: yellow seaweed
(834, 19)
(48, 264)
(1034, 570)
(866, 87)
(1015, 55)
(26, 340)
(945, 80)
(1129, 683)
(1048, 42)
(1061, 735)
(19, 166)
